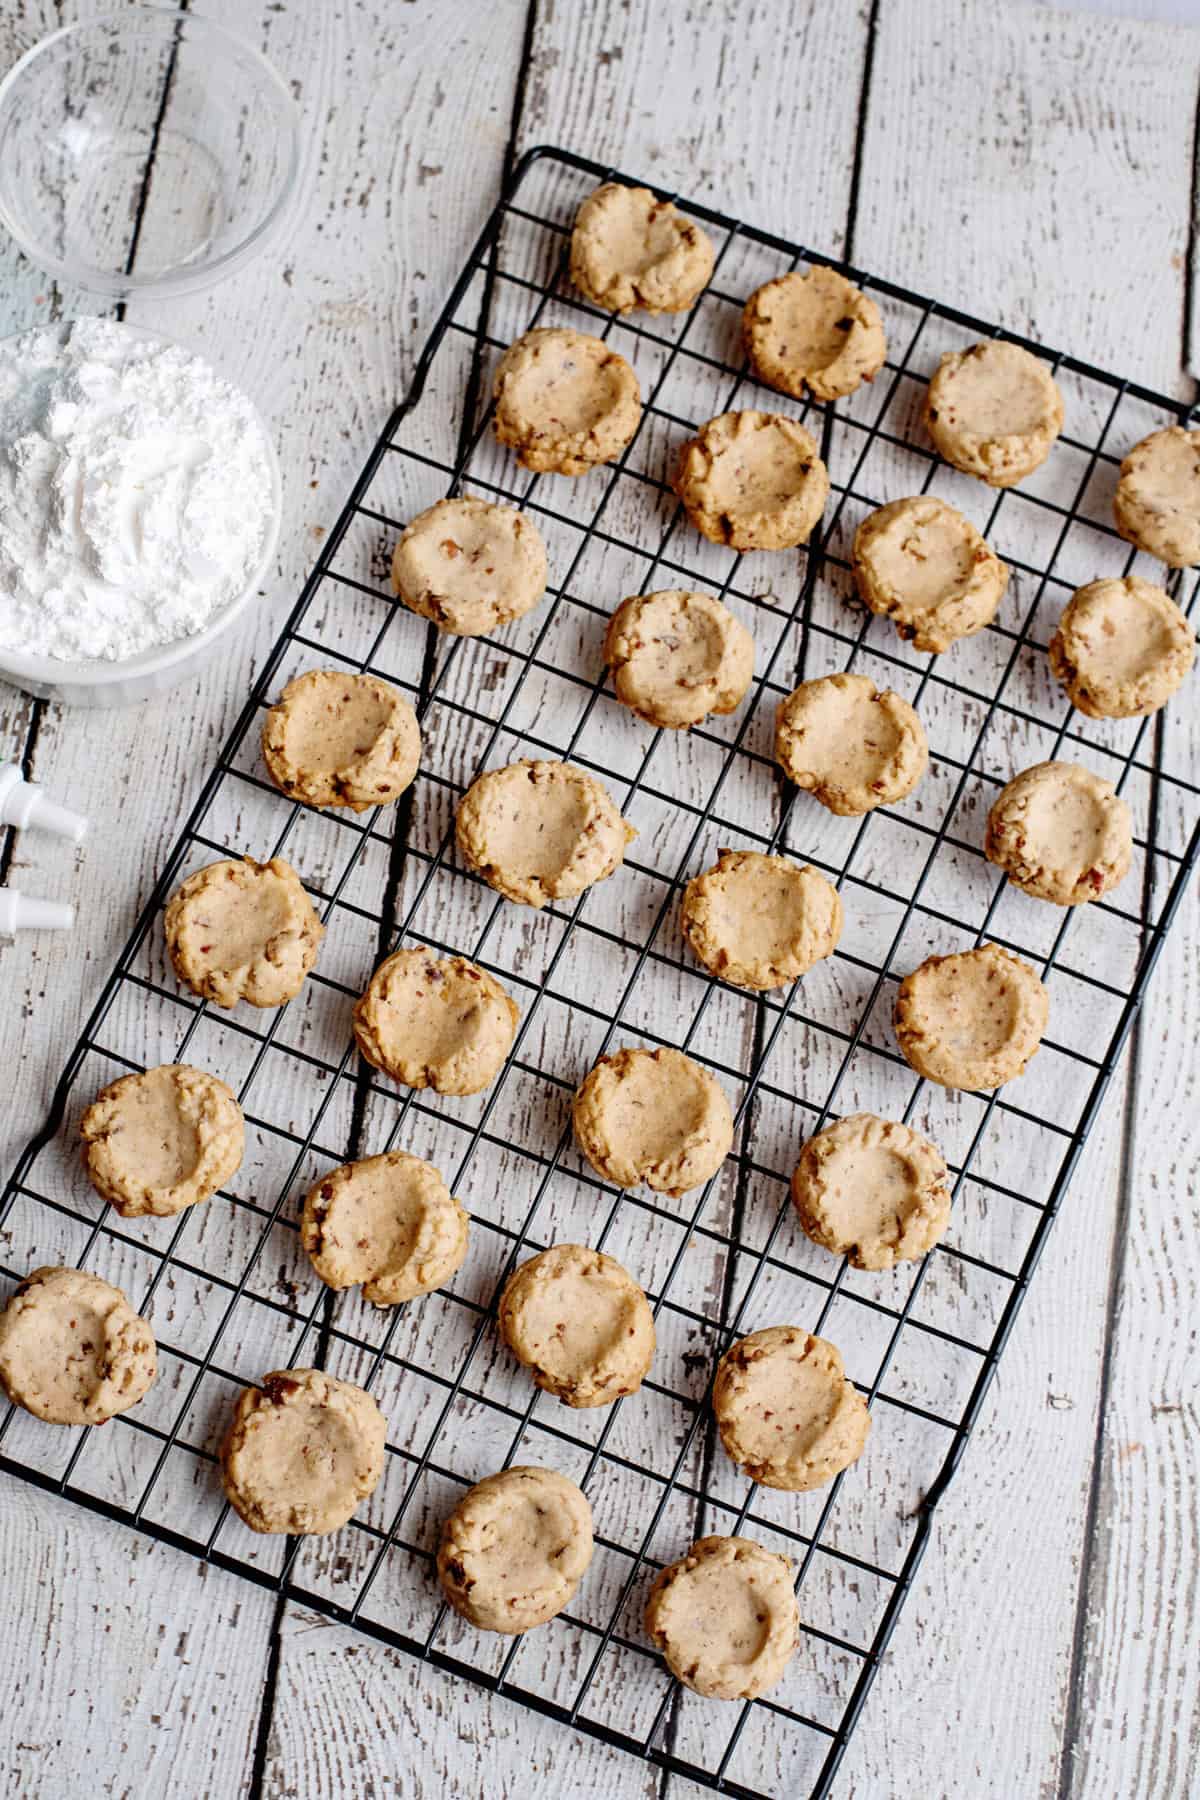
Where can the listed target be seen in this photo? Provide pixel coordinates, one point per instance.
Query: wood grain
(407, 116)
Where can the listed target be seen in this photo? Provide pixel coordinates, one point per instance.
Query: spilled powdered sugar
(136, 492)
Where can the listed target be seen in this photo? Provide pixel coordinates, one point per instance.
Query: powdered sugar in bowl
(139, 510)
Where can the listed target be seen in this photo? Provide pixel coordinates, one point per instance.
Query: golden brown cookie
(1157, 502)
(341, 740)
(580, 1323)
(654, 1116)
(515, 1549)
(852, 747)
(753, 480)
(1122, 648)
(435, 1022)
(921, 564)
(760, 921)
(678, 656)
(1060, 833)
(815, 331)
(972, 1020)
(787, 1415)
(389, 1222)
(565, 401)
(872, 1190)
(994, 411)
(725, 1618)
(539, 831)
(72, 1349)
(302, 1452)
(243, 931)
(158, 1142)
(470, 566)
(631, 249)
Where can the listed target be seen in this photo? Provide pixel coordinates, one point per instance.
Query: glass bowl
(147, 152)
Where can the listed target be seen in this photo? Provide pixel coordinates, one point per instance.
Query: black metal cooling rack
(228, 1289)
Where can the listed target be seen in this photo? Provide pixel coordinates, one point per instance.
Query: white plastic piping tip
(23, 803)
(21, 912)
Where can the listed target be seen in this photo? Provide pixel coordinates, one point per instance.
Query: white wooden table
(1033, 166)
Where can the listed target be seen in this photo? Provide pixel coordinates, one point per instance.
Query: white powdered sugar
(137, 492)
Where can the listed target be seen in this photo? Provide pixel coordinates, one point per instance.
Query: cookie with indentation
(787, 1415)
(580, 1323)
(1157, 502)
(994, 411)
(341, 740)
(631, 249)
(816, 331)
(971, 1020)
(654, 1116)
(386, 1222)
(752, 480)
(303, 1451)
(760, 921)
(72, 1349)
(540, 831)
(1060, 833)
(725, 1618)
(921, 564)
(515, 1549)
(872, 1190)
(470, 566)
(1122, 648)
(678, 656)
(159, 1142)
(243, 930)
(852, 747)
(435, 1022)
(565, 401)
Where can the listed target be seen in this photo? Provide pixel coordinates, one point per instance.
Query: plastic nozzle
(23, 803)
(21, 912)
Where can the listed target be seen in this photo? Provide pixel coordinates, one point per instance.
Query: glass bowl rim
(185, 279)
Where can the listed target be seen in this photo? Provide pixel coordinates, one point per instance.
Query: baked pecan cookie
(159, 1142)
(515, 1549)
(760, 921)
(923, 565)
(1122, 648)
(678, 656)
(341, 740)
(752, 480)
(302, 1453)
(1060, 833)
(435, 1022)
(816, 331)
(654, 1116)
(994, 411)
(539, 831)
(1157, 502)
(852, 747)
(787, 1415)
(72, 1349)
(972, 1020)
(243, 931)
(872, 1190)
(388, 1222)
(565, 401)
(580, 1323)
(470, 566)
(630, 248)
(725, 1618)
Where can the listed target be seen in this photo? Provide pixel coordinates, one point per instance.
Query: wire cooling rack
(229, 1291)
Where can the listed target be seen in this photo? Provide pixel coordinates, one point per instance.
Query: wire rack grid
(227, 1288)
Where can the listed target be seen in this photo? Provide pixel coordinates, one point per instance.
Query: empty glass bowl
(144, 152)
